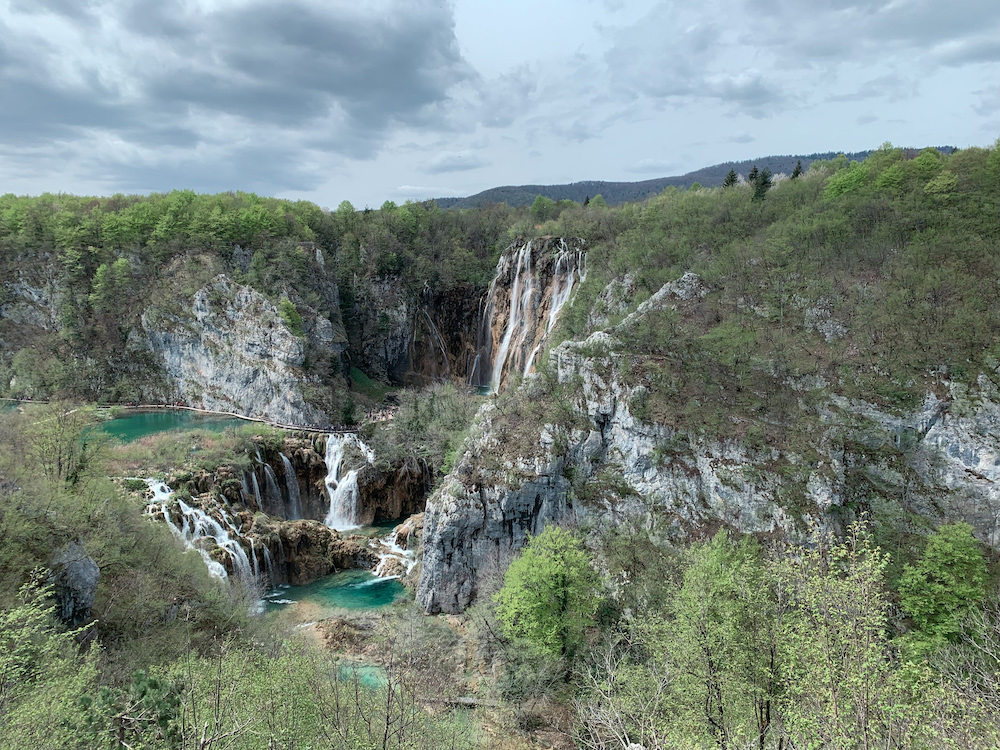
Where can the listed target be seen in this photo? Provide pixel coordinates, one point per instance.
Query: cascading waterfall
(292, 484)
(520, 300)
(394, 551)
(196, 525)
(529, 292)
(342, 482)
(273, 493)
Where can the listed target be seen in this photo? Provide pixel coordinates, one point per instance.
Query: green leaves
(548, 597)
(943, 586)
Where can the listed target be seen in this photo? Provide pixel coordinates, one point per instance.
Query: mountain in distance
(615, 193)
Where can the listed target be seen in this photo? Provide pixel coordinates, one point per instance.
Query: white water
(292, 483)
(342, 482)
(393, 551)
(524, 327)
(273, 493)
(197, 525)
(520, 299)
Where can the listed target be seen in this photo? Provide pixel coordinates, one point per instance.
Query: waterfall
(196, 524)
(520, 300)
(273, 493)
(394, 552)
(292, 483)
(535, 299)
(436, 336)
(341, 485)
(256, 491)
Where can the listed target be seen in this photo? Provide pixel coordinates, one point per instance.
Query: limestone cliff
(609, 460)
(229, 350)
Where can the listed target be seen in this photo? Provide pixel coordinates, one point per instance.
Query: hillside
(616, 193)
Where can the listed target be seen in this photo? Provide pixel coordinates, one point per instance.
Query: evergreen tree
(797, 172)
(731, 179)
(762, 184)
(752, 177)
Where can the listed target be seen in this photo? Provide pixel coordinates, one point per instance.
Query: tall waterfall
(292, 485)
(531, 286)
(342, 482)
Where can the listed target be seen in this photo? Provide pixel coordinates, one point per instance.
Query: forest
(874, 625)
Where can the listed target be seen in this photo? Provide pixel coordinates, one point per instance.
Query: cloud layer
(294, 96)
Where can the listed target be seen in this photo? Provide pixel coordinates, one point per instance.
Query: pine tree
(752, 177)
(797, 172)
(761, 184)
(731, 179)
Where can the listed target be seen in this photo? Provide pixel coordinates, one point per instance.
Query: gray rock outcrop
(74, 575)
(230, 351)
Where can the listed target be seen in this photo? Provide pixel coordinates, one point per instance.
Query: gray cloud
(455, 161)
(866, 120)
(989, 101)
(889, 87)
(333, 76)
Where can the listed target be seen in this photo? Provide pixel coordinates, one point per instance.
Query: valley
(716, 469)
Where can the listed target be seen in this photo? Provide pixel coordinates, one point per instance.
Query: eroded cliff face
(531, 285)
(609, 462)
(228, 350)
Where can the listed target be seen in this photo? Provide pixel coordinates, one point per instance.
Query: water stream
(527, 324)
(342, 481)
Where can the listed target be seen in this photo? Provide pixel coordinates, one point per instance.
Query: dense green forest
(873, 280)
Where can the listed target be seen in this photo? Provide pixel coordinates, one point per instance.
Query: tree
(947, 581)
(762, 184)
(598, 201)
(752, 177)
(548, 596)
(543, 208)
(797, 172)
(731, 179)
(290, 315)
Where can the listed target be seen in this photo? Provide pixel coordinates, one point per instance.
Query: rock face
(402, 338)
(397, 493)
(306, 550)
(531, 285)
(607, 464)
(75, 576)
(230, 351)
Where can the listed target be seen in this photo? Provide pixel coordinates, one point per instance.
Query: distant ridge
(623, 192)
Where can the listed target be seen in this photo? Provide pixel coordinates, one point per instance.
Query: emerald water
(351, 589)
(140, 424)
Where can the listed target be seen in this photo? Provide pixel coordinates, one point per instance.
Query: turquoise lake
(351, 589)
(140, 424)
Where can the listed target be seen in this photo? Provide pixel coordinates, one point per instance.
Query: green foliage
(731, 179)
(544, 209)
(41, 674)
(946, 583)
(429, 425)
(549, 594)
(847, 180)
(290, 316)
(762, 184)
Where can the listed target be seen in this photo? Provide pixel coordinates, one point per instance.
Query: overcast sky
(368, 100)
